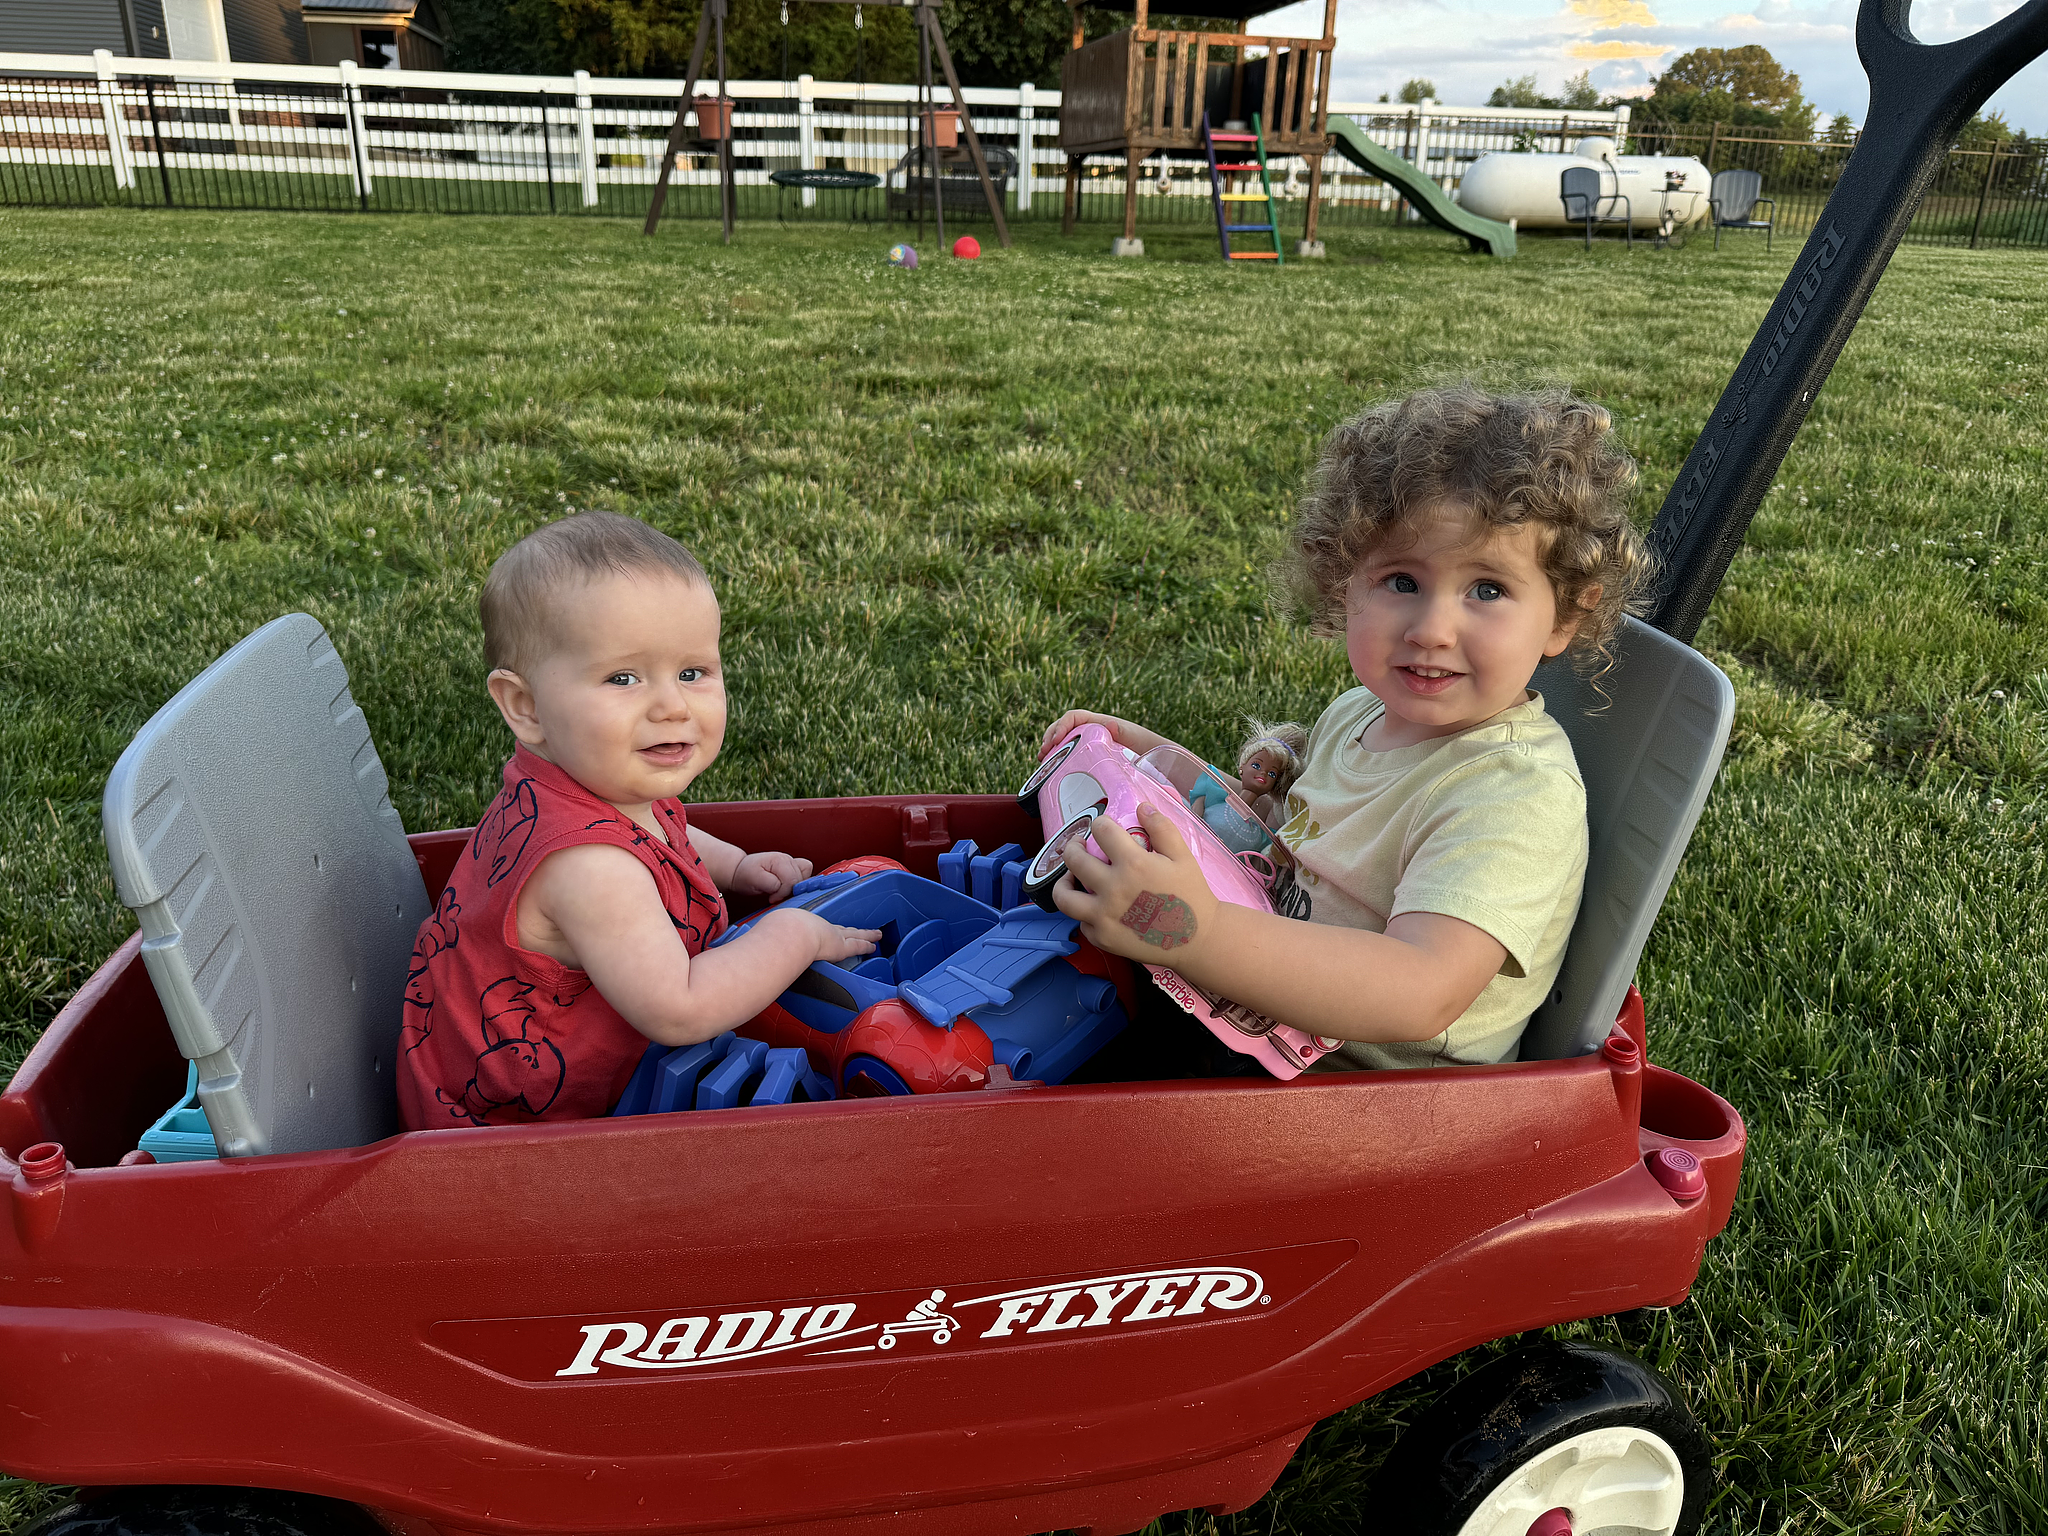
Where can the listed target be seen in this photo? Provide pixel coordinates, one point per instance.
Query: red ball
(967, 247)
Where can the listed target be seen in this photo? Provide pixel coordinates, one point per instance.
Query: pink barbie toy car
(1089, 775)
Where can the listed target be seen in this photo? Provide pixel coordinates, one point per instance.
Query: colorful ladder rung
(1256, 139)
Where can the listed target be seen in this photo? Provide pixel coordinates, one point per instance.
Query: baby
(574, 927)
(1437, 832)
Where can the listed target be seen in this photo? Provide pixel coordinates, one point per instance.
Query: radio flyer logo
(896, 1324)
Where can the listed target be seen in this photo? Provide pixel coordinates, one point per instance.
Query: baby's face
(630, 700)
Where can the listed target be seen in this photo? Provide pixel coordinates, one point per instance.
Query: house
(238, 31)
(377, 34)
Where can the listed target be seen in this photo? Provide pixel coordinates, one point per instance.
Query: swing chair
(855, 183)
(714, 120)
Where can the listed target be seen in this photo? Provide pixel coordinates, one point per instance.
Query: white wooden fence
(91, 128)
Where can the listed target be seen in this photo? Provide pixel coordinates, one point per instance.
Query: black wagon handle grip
(1921, 94)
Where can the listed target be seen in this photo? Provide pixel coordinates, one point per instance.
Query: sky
(1470, 46)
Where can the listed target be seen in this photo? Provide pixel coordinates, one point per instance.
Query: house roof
(344, 7)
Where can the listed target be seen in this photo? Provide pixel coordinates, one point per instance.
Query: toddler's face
(1446, 630)
(630, 700)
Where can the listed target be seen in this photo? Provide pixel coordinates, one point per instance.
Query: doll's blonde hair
(1287, 739)
(1546, 458)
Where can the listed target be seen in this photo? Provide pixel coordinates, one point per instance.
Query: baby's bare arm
(772, 875)
(601, 905)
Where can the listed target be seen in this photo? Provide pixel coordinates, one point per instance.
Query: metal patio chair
(1580, 190)
(1734, 201)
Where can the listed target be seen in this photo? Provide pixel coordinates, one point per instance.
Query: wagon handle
(1921, 94)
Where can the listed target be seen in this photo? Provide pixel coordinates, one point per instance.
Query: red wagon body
(675, 1323)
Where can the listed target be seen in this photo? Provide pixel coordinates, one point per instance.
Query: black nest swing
(855, 182)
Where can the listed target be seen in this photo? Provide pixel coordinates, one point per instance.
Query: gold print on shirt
(1299, 828)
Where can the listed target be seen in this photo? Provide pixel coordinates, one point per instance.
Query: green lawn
(942, 505)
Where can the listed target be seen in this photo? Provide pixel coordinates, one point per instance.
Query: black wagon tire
(1592, 1432)
(203, 1511)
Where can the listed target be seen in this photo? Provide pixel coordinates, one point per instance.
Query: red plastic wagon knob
(1620, 1051)
(43, 1162)
(1552, 1522)
(1679, 1172)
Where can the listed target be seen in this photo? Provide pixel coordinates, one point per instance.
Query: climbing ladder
(1224, 173)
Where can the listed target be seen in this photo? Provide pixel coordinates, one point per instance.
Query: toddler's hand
(769, 874)
(1136, 737)
(1143, 905)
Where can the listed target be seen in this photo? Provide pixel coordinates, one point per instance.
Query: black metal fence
(1986, 195)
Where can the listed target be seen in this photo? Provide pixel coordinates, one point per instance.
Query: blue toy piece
(952, 956)
(724, 1072)
(182, 1135)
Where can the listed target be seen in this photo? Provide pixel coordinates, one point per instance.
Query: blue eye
(623, 679)
(1402, 582)
(690, 675)
(1488, 591)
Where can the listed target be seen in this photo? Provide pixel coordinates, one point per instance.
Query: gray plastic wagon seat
(251, 831)
(1648, 761)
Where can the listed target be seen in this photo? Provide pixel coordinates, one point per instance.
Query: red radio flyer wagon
(1019, 1309)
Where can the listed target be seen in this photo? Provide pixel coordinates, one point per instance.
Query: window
(380, 47)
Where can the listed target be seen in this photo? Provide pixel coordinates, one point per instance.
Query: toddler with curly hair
(1437, 831)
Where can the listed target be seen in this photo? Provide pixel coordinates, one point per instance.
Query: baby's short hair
(1546, 458)
(581, 547)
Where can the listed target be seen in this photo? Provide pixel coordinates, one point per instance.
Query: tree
(1743, 87)
(1418, 90)
(994, 42)
(1518, 93)
(1580, 94)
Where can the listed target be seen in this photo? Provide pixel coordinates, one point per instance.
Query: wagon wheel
(152, 1511)
(1548, 1441)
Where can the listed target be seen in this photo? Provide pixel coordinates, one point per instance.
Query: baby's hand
(828, 939)
(768, 874)
(1136, 737)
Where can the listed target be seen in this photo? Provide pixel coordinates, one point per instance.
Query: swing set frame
(931, 39)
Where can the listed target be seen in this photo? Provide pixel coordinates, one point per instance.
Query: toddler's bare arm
(1410, 983)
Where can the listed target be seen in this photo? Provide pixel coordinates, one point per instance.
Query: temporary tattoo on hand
(1165, 922)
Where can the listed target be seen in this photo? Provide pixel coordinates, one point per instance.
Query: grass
(942, 505)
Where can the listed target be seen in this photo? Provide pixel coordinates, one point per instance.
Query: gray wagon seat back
(1648, 759)
(251, 830)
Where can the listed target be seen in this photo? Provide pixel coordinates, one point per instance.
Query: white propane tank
(1524, 187)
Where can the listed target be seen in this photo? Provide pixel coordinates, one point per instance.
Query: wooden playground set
(1232, 99)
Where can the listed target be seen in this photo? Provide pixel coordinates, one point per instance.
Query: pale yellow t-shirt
(1488, 826)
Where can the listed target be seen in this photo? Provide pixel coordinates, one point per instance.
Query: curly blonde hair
(1546, 458)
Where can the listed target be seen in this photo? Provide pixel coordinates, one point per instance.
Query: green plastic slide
(1430, 200)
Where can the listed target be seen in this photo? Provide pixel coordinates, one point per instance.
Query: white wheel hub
(1616, 1482)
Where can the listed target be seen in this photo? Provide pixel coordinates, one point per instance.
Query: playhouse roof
(1208, 10)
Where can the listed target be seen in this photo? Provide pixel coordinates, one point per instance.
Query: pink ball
(967, 247)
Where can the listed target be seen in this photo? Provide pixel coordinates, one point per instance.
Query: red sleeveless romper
(494, 1034)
